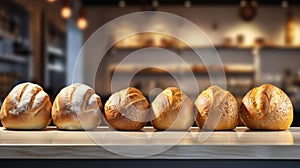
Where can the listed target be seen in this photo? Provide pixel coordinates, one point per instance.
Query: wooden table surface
(104, 143)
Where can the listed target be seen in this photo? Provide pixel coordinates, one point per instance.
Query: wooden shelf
(281, 47)
(55, 51)
(13, 58)
(218, 47)
(56, 68)
(273, 47)
(185, 48)
(11, 37)
(197, 70)
(237, 144)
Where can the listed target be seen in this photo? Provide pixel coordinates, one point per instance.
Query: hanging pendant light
(66, 11)
(51, 1)
(82, 22)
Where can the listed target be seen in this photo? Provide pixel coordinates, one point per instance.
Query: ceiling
(181, 2)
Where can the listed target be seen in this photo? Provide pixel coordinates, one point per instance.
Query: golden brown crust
(217, 109)
(26, 107)
(127, 110)
(77, 107)
(266, 108)
(172, 110)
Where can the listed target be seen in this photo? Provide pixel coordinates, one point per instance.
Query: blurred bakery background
(257, 40)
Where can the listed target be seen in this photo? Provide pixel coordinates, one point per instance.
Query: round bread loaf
(77, 107)
(127, 110)
(217, 109)
(266, 108)
(26, 107)
(172, 110)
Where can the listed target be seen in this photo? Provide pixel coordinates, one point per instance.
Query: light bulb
(66, 12)
(82, 23)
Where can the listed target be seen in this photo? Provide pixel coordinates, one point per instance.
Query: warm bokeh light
(50, 1)
(82, 23)
(66, 12)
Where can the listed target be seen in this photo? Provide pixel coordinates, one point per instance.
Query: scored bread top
(266, 107)
(217, 109)
(170, 99)
(129, 103)
(173, 96)
(131, 97)
(266, 99)
(25, 97)
(78, 98)
(172, 110)
(215, 99)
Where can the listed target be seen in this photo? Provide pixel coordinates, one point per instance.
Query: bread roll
(266, 108)
(172, 110)
(77, 107)
(217, 109)
(127, 110)
(26, 107)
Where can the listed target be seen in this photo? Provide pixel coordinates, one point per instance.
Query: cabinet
(14, 46)
(54, 58)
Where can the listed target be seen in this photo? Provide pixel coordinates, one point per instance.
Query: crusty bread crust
(77, 107)
(26, 107)
(266, 108)
(172, 110)
(127, 110)
(217, 109)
